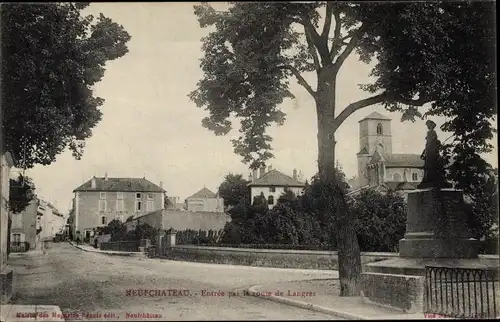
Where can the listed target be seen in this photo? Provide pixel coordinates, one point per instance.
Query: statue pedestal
(436, 235)
(436, 226)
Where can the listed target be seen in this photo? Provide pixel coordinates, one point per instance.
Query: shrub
(380, 220)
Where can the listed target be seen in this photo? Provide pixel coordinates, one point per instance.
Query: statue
(434, 174)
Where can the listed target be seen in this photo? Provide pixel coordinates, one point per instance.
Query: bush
(380, 220)
(190, 237)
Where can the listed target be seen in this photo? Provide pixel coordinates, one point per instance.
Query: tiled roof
(276, 178)
(398, 185)
(120, 184)
(376, 116)
(398, 160)
(203, 193)
(403, 160)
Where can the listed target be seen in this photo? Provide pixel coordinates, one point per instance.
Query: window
(414, 176)
(102, 205)
(16, 238)
(150, 205)
(102, 195)
(138, 206)
(138, 195)
(380, 130)
(150, 196)
(120, 206)
(272, 189)
(17, 220)
(270, 200)
(396, 177)
(119, 195)
(103, 220)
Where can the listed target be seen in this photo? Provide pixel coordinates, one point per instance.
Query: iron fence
(461, 293)
(19, 247)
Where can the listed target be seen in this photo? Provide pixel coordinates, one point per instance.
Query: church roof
(398, 185)
(276, 178)
(203, 193)
(398, 160)
(376, 116)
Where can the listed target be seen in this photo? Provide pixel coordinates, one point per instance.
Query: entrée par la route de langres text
(218, 293)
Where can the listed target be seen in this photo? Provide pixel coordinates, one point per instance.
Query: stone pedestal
(436, 235)
(171, 238)
(436, 226)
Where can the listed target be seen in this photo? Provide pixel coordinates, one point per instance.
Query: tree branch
(336, 34)
(328, 20)
(384, 97)
(349, 48)
(312, 50)
(353, 107)
(300, 79)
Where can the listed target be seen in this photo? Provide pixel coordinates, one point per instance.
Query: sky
(151, 129)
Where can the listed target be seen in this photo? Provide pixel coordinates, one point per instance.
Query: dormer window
(102, 195)
(380, 130)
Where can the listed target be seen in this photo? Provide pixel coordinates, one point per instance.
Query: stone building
(6, 273)
(205, 200)
(378, 167)
(100, 200)
(272, 184)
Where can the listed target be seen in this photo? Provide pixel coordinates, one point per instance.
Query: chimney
(93, 183)
(250, 177)
(106, 176)
(295, 174)
(255, 175)
(161, 184)
(269, 168)
(262, 171)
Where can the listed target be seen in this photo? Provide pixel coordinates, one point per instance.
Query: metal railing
(19, 247)
(460, 293)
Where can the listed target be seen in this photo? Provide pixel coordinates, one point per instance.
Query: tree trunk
(349, 259)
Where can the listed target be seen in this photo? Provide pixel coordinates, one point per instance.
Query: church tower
(374, 135)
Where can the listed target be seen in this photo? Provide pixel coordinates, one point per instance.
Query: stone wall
(279, 258)
(182, 220)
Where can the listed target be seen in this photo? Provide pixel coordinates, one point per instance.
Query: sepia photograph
(229, 161)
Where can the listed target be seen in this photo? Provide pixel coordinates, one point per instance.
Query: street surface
(92, 286)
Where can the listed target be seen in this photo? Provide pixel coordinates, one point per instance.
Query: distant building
(272, 184)
(100, 200)
(175, 204)
(205, 200)
(378, 167)
(49, 220)
(24, 226)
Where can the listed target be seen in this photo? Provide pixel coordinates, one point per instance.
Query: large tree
(421, 49)
(51, 57)
(234, 190)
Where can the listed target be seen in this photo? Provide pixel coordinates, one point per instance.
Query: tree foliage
(52, 56)
(22, 192)
(234, 190)
(380, 220)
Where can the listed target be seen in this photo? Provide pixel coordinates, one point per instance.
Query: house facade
(101, 200)
(24, 227)
(378, 167)
(49, 220)
(205, 200)
(6, 273)
(272, 184)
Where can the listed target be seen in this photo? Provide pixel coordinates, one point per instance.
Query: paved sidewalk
(323, 296)
(21, 313)
(89, 248)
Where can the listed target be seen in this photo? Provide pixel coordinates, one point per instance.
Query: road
(93, 286)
